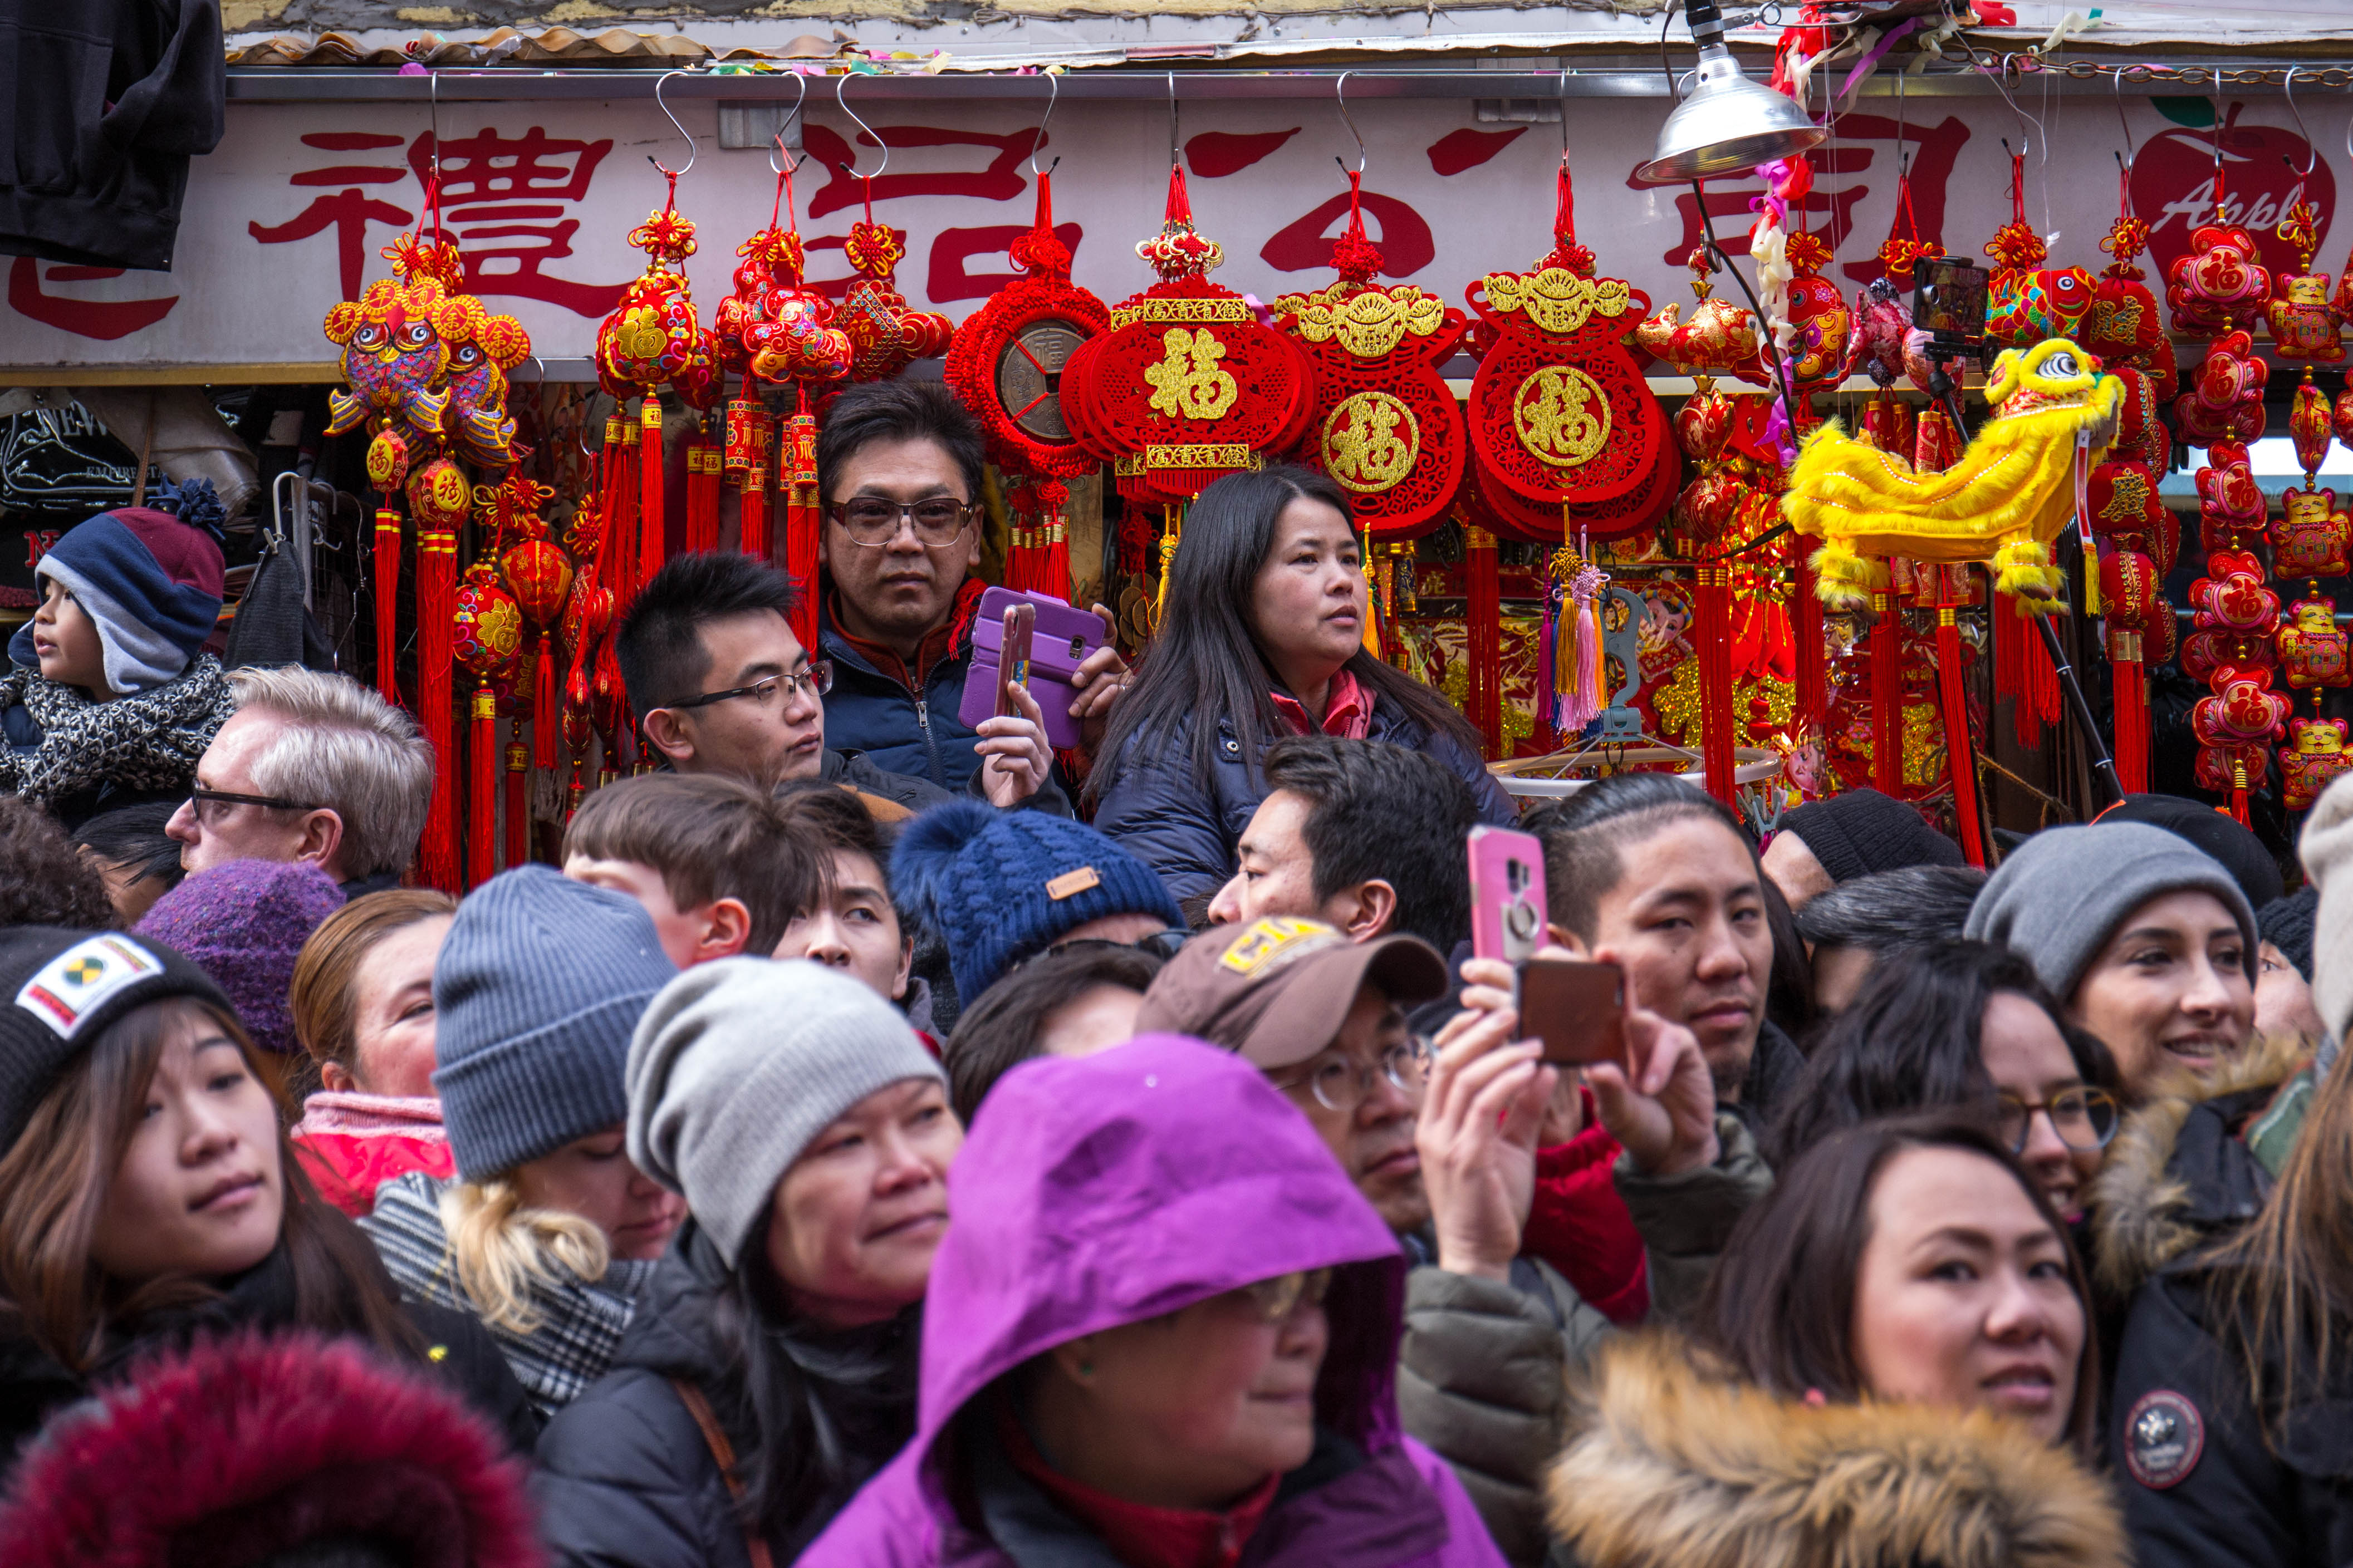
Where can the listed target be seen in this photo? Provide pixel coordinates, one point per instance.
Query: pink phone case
(1507, 893)
(1063, 640)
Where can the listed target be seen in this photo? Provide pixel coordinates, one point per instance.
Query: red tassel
(518, 800)
(701, 496)
(1054, 569)
(388, 594)
(651, 545)
(1483, 639)
(1715, 622)
(1886, 697)
(2238, 765)
(437, 604)
(483, 757)
(2132, 711)
(546, 706)
(752, 529)
(799, 466)
(1960, 756)
(2038, 696)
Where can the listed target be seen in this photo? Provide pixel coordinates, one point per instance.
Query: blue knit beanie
(149, 577)
(1002, 886)
(536, 991)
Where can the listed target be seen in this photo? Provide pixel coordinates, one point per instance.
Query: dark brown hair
(710, 837)
(831, 819)
(999, 1031)
(323, 996)
(54, 1183)
(1779, 1309)
(44, 881)
(1584, 837)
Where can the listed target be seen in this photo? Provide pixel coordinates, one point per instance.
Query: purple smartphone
(1063, 638)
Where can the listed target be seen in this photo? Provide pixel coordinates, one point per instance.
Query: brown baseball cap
(1277, 989)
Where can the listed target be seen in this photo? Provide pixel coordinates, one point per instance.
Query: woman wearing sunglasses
(1965, 1024)
(1163, 1329)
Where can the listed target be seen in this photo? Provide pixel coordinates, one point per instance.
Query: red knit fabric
(187, 554)
(1579, 1225)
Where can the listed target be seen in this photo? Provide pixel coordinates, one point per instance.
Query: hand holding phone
(1013, 661)
(1577, 1008)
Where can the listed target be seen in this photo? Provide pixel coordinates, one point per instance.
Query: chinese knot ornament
(1383, 425)
(886, 333)
(1563, 428)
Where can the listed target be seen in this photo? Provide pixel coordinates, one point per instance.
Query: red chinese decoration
(2028, 302)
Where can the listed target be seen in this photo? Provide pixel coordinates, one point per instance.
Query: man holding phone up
(1441, 1137)
(900, 466)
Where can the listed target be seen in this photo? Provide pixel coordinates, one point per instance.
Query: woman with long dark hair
(1968, 1026)
(1263, 638)
(770, 1368)
(1893, 1363)
(148, 1194)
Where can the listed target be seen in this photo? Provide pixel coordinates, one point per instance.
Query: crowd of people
(881, 1140)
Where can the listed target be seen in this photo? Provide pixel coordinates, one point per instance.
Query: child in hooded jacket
(111, 701)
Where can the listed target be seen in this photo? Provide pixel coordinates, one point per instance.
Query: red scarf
(1140, 1536)
(1348, 710)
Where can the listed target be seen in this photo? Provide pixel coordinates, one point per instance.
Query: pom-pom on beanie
(737, 1067)
(2062, 894)
(148, 577)
(1864, 831)
(1002, 886)
(537, 988)
(245, 923)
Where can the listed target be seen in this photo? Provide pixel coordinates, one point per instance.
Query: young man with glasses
(1439, 1135)
(719, 684)
(900, 466)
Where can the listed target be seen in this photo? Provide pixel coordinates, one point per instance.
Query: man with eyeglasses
(900, 466)
(1439, 1135)
(721, 685)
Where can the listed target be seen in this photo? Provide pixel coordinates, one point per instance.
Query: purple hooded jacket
(1117, 1187)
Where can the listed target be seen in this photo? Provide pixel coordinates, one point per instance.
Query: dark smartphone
(1577, 1008)
(1013, 659)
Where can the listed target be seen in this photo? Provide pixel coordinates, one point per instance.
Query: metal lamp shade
(1726, 124)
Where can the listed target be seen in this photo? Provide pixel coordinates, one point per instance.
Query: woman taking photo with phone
(1263, 637)
(1892, 1363)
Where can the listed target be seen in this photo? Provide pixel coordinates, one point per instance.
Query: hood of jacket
(2148, 1210)
(1666, 1466)
(1113, 1188)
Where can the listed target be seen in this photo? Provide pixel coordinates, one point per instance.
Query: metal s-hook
(2124, 158)
(1172, 120)
(776, 143)
(2311, 154)
(1561, 101)
(1038, 137)
(1340, 92)
(2026, 143)
(841, 101)
(693, 148)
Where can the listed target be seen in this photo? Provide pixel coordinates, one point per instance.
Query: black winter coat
(1160, 815)
(625, 1479)
(33, 1385)
(108, 99)
(2199, 1484)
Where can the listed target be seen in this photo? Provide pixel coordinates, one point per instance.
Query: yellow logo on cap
(1274, 939)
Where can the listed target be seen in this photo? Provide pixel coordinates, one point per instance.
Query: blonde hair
(502, 1250)
(343, 747)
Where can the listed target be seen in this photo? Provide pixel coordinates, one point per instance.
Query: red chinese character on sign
(104, 320)
(1936, 149)
(950, 279)
(349, 210)
(506, 201)
(1000, 181)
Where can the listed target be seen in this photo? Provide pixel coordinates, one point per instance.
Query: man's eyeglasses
(2083, 1117)
(200, 798)
(816, 682)
(873, 520)
(1343, 1085)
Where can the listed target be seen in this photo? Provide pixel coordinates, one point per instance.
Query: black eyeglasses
(816, 680)
(201, 798)
(1160, 944)
(873, 520)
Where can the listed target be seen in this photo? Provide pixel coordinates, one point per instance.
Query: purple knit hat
(244, 924)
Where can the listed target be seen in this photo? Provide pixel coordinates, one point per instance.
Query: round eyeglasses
(2083, 1117)
(873, 520)
(1339, 1084)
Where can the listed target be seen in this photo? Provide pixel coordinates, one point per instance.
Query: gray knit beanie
(2064, 891)
(737, 1067)
(537, 987)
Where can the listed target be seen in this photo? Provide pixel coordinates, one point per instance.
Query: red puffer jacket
(350, 1144)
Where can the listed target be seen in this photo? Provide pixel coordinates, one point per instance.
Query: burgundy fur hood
(237, 1448)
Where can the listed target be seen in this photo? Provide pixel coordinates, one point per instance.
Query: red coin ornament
(1564, 429)
(1384, 424)
(1187, 385)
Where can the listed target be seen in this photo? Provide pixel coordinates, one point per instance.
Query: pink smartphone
(1013, 655)
(1507, 894)
(1577, 1008)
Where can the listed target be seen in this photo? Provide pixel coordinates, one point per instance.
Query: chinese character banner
(287, 216)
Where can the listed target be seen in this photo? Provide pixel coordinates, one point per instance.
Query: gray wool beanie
(737, 1067)
(538, 985)
(2063, 893)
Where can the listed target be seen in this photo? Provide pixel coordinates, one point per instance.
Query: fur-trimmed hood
(1669, 1469)
(235, 1450)
(2144, 1213)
